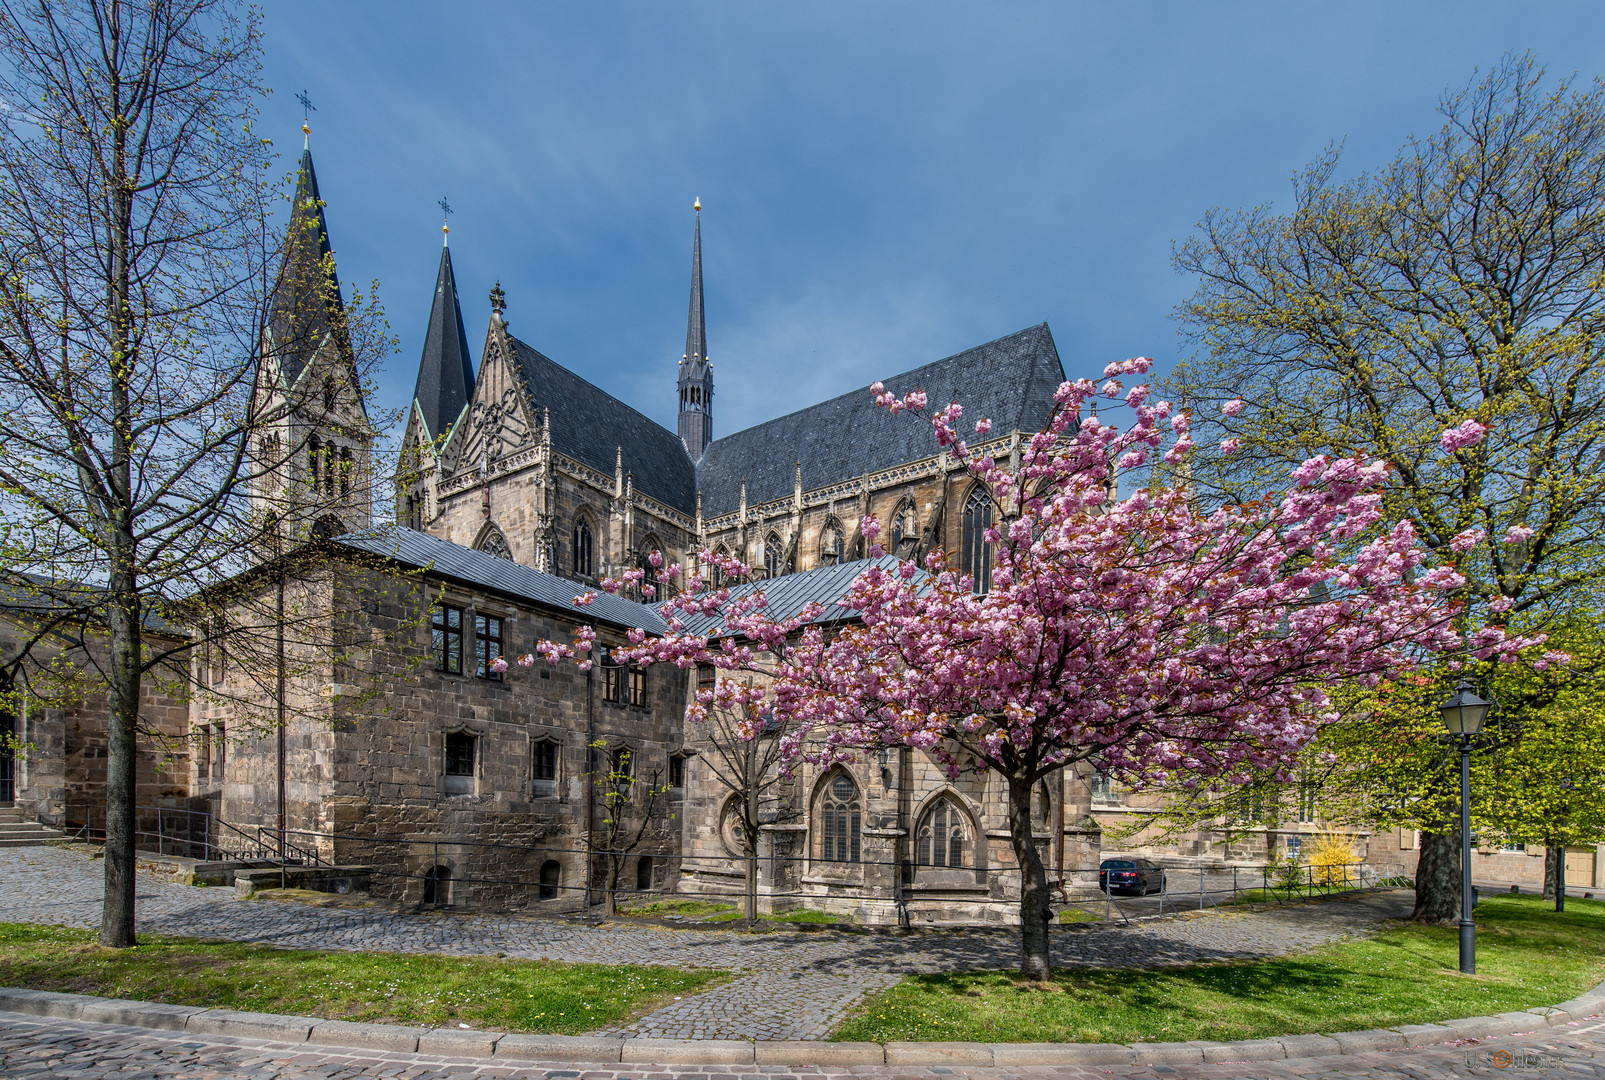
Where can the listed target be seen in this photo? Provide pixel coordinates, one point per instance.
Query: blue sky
(883, 184)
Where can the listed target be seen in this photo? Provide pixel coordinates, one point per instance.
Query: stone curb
(458, 1042)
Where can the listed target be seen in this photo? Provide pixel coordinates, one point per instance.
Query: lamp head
(1464, 712)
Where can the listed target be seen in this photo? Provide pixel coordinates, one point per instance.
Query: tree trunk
(610, 898)
(1438, 879)
(117, 908)
(1552, 859)
(1036, 912)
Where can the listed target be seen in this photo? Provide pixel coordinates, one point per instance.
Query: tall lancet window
(773, 555)
(941, 837)
(584, 562)
(976, 552)
(838, 820)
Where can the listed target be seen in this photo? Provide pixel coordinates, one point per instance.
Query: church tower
(313, 446)
(696, 371)
(445, 382)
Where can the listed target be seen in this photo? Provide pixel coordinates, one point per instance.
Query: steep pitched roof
(590, 425)
(445, 372)
(786, 596)
(307, 303)
(476, 568)
(1010, 381)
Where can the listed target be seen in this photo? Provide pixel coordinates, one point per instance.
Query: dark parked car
(1131, 875)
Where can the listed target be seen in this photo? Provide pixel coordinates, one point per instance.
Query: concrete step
(17, 832)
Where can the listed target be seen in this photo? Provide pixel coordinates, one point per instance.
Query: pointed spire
(696, 373)
(307, 304)
(445, 372)
(696, 330)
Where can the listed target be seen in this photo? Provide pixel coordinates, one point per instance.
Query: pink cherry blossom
(1468, 433)
(499, 665)
(983, 427)
(1231, 446)
(1518, 534)
(1232, 407)
(1465, 540)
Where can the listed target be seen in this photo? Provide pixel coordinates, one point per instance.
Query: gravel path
(791, 985)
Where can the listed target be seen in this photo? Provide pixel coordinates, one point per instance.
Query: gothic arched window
(943, 835)
(328, 394)
(832, 544)
(838, 819)
(715, 571)
(977, 553)
(345, 471)
(314, 453)
(584, 562)
(494, 543)
(773, 554)
(330, 466)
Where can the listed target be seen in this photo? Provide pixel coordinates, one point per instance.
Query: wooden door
(1579, 866)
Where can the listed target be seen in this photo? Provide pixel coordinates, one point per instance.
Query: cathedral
(414, 750)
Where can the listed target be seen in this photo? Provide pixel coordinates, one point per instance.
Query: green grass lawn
(1526, 955)
(675, 907)
(514, 995)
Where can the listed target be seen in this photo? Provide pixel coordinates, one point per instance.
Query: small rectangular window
(220, 746)
(447, 630)
(545, 769)
(487, 645)
(459, 763)
(203, 754)
(677, 771)
(637, 686)
(707, 677)
(612, 678)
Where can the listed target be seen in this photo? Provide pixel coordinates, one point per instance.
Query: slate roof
(445, 373)
(589, 425)
(789, 594)
(1010, 380)
(476, 568)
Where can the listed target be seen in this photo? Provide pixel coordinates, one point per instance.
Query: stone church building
(523, 484)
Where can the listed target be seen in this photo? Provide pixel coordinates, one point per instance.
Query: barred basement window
(446, 631)
(487, 645)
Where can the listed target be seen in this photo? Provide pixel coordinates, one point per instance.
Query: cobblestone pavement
(792, 985)
(33, 1049)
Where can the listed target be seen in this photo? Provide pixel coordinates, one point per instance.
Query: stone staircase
(15, 831)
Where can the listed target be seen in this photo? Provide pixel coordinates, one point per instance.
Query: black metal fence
(574, 880)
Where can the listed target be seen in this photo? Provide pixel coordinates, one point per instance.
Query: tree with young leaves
(1457, 288)
(139, 257)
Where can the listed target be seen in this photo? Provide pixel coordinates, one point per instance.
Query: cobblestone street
(33, 1049)
(792, 985)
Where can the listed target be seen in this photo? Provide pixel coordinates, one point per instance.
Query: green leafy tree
(1457, 288)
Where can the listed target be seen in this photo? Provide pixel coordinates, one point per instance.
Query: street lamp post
(1463, 715)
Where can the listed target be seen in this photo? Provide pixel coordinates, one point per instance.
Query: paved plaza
(789, 985)
(33, 1049)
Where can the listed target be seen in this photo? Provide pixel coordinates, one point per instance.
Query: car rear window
(1118, 864)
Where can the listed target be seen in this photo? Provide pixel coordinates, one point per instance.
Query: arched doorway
(551, 879)
(437, 886)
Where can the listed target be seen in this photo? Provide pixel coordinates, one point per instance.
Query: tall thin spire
(696, 330)
(445, 372)
(307, 304)
(696, 372)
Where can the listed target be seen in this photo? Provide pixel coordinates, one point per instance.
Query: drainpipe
(590, 772)
(280, 713)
